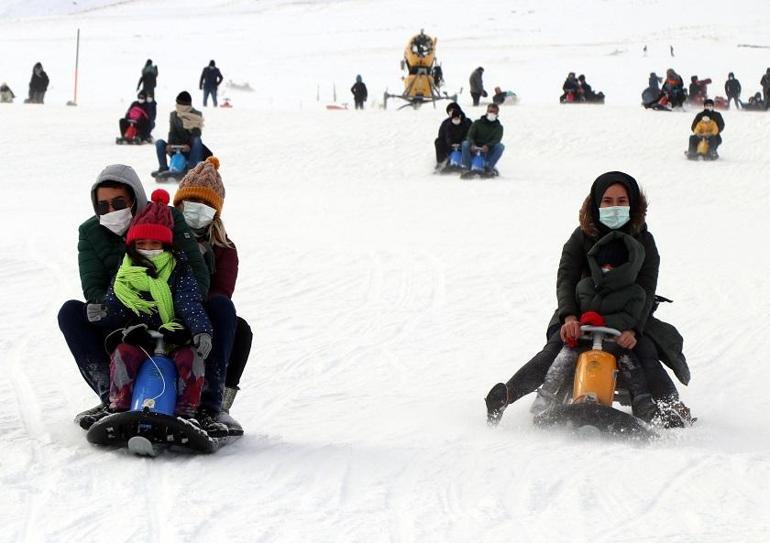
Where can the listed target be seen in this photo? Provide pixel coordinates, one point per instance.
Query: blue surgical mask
(614, 217)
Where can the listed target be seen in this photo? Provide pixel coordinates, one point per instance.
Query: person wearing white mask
(615, 203)
(117, 197)
(484, 136)
(452, 132)
(200, 198)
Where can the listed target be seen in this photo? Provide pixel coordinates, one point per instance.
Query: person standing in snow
(149, 79)
(733, 90)
(765, 82)
(453, 131)
(485, 136)
(360, 94)
(116, 197)
(652, 340)
(38, 85)
(477, 85)
(209, 82)
(200, 197)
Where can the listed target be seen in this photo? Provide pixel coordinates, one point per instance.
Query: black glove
(180, 336)
(137, 335)
(95, 312)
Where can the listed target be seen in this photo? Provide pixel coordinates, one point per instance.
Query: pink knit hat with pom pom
(154, 222)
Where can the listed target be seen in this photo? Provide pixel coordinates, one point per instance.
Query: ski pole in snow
(74, 100)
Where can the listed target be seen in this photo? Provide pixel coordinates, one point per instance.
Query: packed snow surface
(386, 301)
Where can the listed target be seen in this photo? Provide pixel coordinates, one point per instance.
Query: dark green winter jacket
(484, 132)
(614, 294)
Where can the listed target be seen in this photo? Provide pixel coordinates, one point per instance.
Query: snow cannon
(597, 370)
(419, 83)
(155, 385)
(588, 404)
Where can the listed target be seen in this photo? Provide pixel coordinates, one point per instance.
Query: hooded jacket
(100, 251)
(452, 134)
(476, 82)
(614, 294)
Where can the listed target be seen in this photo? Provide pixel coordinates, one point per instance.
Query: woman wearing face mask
(116, 197)
(452, 131)
(615, 203)
(138, 116)
(200, 198)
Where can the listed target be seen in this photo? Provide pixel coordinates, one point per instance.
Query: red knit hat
(154, 222)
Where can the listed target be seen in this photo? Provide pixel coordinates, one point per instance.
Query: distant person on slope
(712, 129)
(200, 198)
(485, 136)
(211, 77)
(138, 116)
(570, 88)
(185, 128)
(6, 94)
(360, 94)
(477, 85)
(673, 88)
(38, 85)
(586, 93)
(149, 79)
(733, 90)
(453, 131)
(765, 82)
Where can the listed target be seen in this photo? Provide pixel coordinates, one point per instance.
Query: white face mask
(614, 217)
(149, 98)
(491, 117)
(141, 100)
(457, 121)
(198, 215)
(150, 253)
(116, 221)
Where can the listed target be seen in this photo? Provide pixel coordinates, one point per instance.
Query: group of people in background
(38, 85)
(670, 92)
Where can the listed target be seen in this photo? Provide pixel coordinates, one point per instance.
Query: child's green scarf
(131, 280)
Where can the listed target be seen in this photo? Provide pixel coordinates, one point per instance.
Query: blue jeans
(494, 154)
(193, 157)
(221, 312)
(209, 92)
(86, 343)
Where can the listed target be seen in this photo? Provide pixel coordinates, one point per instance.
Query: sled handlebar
(602, 329)
(160, 346)
(598, 334)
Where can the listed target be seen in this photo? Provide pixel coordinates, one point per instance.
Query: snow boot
(497, 401)
(210, 424)
(544, 401)
(87, 418)
(234, 428)
(673, 414)
(158, 172)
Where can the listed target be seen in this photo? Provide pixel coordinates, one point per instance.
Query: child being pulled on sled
(608, 297)
(155, 289)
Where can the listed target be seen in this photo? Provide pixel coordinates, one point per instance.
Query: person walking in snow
(38, 85)
(116, 197)
(625, 210)
(360, 94)
(733, 90)
(477, 85)
(210, 80)
(200, 198)
(149, 79)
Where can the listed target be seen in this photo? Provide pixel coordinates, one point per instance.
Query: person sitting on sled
(570, 88)
(200, 197)
(652, 340)
(673, 88)
(185, 128)
(116, 198)
(705, 129)
(585, 92)
(609, 297)
(715, 139)
(155, 289)
(484, 136)
(6, 94)
(138, 117)
(452, 131)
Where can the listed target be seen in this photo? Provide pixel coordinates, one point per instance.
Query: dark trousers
(193, 157)
(658, 380)
(359, 103)
(86, 343)
(442, 150)
(221, 312)
(240, 353)
(736, 99)
(714, 142)
(532, 374)
(207, 91)
(476, 97)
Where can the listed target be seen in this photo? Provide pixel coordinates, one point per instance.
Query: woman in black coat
(38, 85)
(651, 340)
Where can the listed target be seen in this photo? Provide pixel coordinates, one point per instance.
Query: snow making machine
(420, 85)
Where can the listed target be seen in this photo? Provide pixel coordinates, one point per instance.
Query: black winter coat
(452, 134)
(149, 78)
(211, 77)
(732, 88)
(359, 91)
(39, 83)
(713, 115)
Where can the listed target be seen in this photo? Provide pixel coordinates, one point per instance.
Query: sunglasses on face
(116, 204)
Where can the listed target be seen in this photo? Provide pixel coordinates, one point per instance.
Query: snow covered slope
(387, 301)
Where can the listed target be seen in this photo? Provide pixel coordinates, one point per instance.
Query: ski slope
(386, 301)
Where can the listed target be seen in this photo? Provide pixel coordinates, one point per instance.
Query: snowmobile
(594, 389)
(150, 425)
(479, 168)
(177, 166)
(420, 84)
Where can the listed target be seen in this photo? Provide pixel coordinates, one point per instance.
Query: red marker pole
(74, 100)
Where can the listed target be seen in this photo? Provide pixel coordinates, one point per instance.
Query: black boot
(87, 418)
(497, 401)
(210, 424)
(673, 414)
(644, 408)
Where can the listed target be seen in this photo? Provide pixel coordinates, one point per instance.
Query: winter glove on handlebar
(95, 312)
(137, 335)
(176, 335)
(202, 344)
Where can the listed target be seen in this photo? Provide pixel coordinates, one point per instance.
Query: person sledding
(707, 127)
(155, 289)
(585, 92)
(698, 91)
(673, 89)
(184, 135)
(451, 134)
(136, 125)
(570, 89)
(484, 139)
